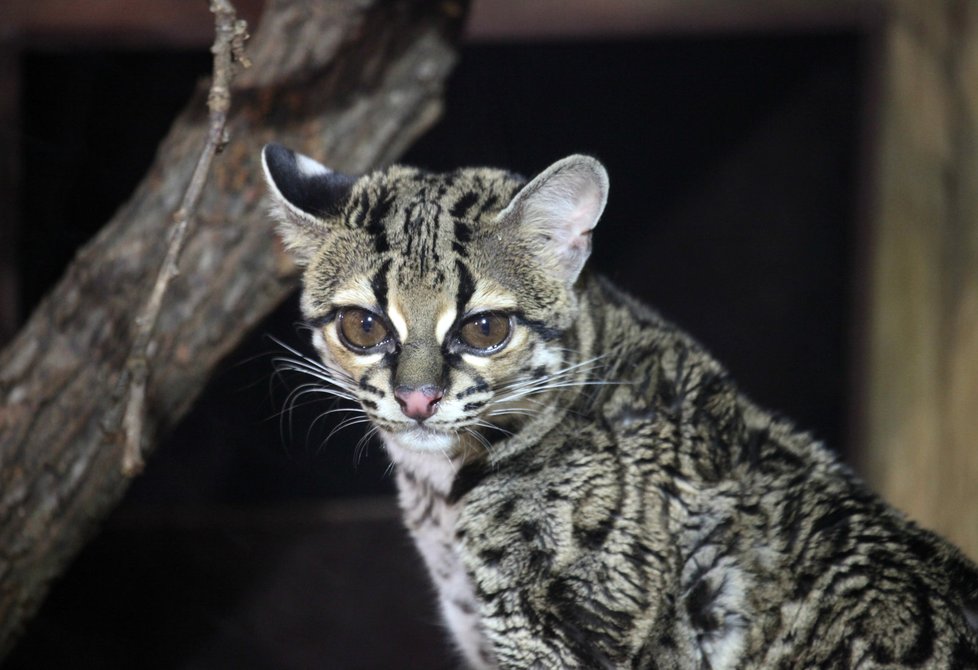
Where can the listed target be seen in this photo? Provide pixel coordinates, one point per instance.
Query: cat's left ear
(558, 209)
(305, 195)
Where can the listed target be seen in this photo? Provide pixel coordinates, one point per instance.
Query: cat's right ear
(305, 195)
(557, 211)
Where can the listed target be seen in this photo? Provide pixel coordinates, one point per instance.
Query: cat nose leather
(419, 403)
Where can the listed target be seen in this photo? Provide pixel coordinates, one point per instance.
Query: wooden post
(920, 393)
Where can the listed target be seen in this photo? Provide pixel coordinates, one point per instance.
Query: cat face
(441, 303)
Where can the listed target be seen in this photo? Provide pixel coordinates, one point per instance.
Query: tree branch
(228, 49)
(350, 82)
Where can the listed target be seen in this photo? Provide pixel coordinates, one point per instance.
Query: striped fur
(597, 493)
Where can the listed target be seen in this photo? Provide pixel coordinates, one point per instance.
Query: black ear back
(304, 184)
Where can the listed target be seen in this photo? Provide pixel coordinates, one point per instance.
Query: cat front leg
(556, 587)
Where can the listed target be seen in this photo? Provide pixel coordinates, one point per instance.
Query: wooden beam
(920, 395)
(183, 23)
(132, 23)
(494, 20)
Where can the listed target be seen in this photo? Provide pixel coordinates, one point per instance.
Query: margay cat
(586, 484)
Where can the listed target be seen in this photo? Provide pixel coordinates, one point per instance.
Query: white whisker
(346, 423)
(360, 450)
(501, 411)
(480, 439)
(328, 380)
(560, 379)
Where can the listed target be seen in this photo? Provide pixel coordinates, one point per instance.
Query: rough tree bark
(351, 82)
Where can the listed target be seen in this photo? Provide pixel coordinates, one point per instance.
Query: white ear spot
(304, 195)
(309, 167)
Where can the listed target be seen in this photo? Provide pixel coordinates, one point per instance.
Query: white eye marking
(548, 358)
(477, 361)
(397, 320)
(309, 167)
(358, 294)
(318, 341)
(445, 322)
(490, 297)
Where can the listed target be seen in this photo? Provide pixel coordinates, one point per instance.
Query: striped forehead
(422, 236)
(422, 245)
(421, 230)
(424, 293)
(420, 311)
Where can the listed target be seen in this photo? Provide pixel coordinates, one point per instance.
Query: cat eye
(361, 330)
(485, 332)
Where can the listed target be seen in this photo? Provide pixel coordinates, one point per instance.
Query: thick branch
(351, 82)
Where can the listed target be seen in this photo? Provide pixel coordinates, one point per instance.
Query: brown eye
(361, 330)
(485, 332)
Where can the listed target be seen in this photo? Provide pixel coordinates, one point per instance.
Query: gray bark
(350, 82)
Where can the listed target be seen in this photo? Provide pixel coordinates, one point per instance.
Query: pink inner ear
(582, 220)
(560, 208)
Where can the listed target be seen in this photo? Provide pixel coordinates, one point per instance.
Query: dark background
(251, 543)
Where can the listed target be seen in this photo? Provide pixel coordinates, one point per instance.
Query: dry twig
(228, 50)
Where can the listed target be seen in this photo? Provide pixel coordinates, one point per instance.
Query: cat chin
(419, 439)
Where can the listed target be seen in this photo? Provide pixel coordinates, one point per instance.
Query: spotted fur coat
(586, 484)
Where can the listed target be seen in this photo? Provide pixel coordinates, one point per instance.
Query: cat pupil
(361, 330)
(485, 333)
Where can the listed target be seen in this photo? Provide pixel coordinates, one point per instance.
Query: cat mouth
(420, 428)
(422, 437)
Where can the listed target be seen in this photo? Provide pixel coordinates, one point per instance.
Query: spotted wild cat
(586, 484)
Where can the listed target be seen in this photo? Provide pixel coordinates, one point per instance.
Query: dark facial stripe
(375, 222)
(379, 284)
(463, 234)
(545, 332)
(480, 386)
(321, 321)
(370, 388)
(435, 258)
(452, 360)
(466, 287)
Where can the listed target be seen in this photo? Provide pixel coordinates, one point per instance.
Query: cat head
(443, 303)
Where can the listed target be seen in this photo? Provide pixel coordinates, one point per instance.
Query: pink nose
(419, 403)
